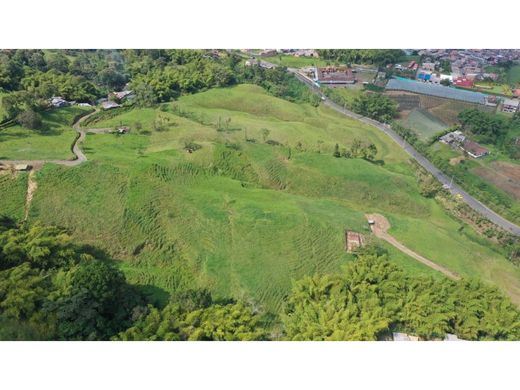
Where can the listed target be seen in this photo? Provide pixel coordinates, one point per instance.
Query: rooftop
(436, 90)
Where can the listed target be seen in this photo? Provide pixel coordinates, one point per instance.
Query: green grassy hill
(245, 218)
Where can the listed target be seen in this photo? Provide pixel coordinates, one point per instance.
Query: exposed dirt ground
(380, 230)
(31, 188)
(504, 175)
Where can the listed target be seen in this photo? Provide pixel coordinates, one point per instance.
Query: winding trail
(79, 156)
(380, 227)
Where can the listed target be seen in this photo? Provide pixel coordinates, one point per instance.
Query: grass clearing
(513, 75)
(52, 142)
(424, 123)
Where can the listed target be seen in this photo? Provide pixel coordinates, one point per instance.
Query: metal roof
(436, 90)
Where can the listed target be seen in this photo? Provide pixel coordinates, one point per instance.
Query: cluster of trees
(358, 149)
(372, 297)
(362, 56)
(375, 106)
(489, 128)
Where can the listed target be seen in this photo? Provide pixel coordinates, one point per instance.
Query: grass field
(245, 218)
(52, 142)
(513, 75)
(295, 62)
(424, 123)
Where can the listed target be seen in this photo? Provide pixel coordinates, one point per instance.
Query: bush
(30, 119)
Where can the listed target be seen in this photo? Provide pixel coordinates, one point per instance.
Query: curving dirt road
(78, 153)
(379, 229)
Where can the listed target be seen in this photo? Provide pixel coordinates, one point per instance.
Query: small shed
(108, 105)
(22, 167)
(123, 129)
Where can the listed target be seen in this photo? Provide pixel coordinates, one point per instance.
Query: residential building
(58, 101)
(108, 105)
(510, 105)
(474, 149)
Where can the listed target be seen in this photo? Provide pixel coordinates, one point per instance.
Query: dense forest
(52, 288)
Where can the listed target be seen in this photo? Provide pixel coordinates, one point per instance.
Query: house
(463, 82)
(454, 138)
(516, 92)
(335, 75)
(122, 95)
(84, 105)
(306, 53)
(108, 105)
(510, 105)
(474, 149)
(428, 66)
(268, 53)
(58, 101)
(424, 76)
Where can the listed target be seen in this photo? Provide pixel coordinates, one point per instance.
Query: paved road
(455, 189)
(78, 153)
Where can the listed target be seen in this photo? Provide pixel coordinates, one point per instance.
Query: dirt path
(380, 230)
(32, 185)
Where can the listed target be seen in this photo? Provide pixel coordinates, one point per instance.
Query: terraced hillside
(262, 202)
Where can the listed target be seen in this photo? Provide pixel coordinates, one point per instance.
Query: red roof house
(463, 82)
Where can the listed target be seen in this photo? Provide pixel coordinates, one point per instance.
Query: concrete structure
(510, 105)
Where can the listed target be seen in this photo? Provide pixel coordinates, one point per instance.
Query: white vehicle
(323, 98)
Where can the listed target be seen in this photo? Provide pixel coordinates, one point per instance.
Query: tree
(144, 95)
(112, 79)
(336, 153)
(369, 152)
(58, 61)
(265, 133)
(30, 119)
(99, 303)
(43, 247)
